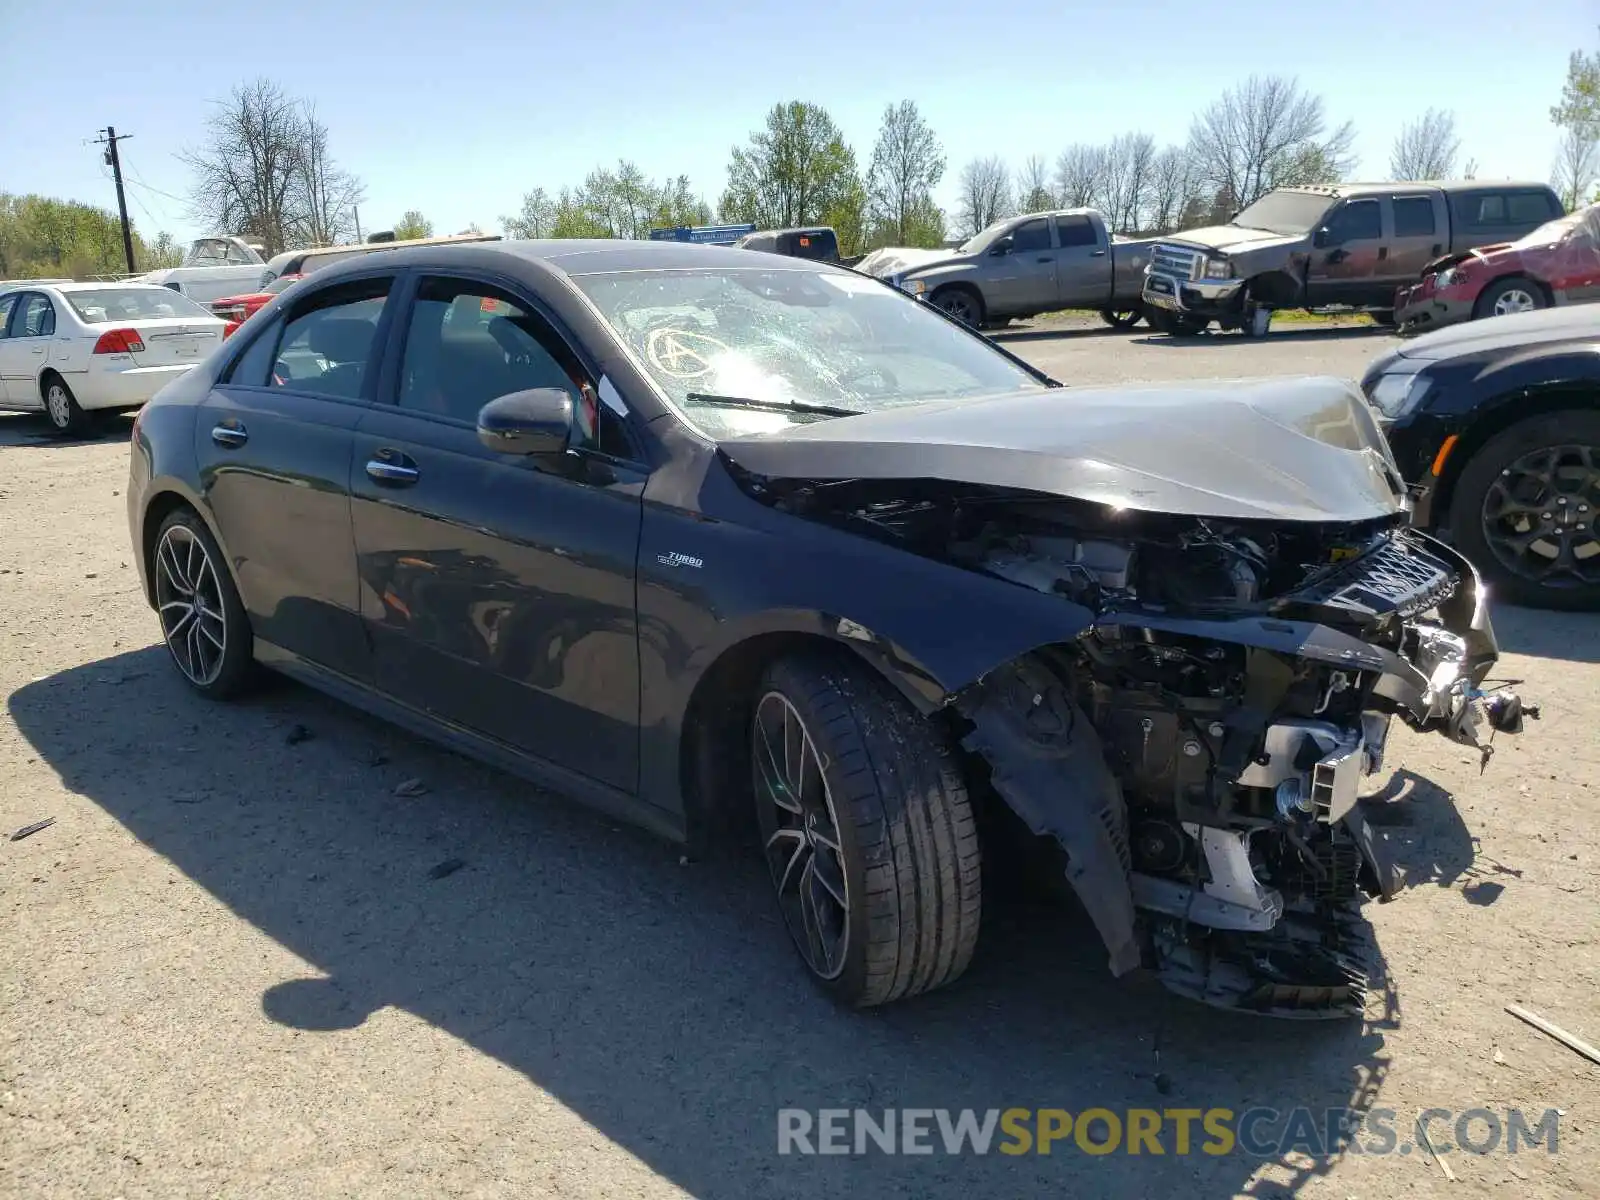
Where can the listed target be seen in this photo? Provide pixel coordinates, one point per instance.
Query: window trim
(389, 377)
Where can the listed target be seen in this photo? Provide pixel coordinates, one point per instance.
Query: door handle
(397, 474)
(1336, 256)
(38, 349)
(1097, 254)
(1383, 253)
(1438, 249)
(1045, 258)
(230, 437)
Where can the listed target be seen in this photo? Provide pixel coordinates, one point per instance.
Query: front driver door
(1346, 260)
(499, 592)
(274, 441)
(1022, 281)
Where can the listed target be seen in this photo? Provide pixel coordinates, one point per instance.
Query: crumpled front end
(1224, 844)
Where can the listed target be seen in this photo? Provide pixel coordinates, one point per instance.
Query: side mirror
(1002, 246)
(537, 422)
(1322, 238)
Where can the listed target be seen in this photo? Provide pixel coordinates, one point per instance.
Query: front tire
(1526, 511)
(961, 303)
(62, 410)
(203, 621)
(1508, 296)
(1121, 319)
(1175, 324)
(867, 830)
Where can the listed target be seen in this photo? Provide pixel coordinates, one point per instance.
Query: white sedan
(70, 349)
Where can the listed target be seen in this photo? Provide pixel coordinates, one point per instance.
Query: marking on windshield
(682, 354)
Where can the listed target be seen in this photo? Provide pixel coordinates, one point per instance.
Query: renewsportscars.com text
(1259, 1132)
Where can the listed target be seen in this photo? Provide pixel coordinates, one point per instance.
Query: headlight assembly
(913, 287)
(1218, 268)
(1396, 395)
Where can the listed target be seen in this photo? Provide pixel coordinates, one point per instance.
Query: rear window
(1478, 209)
(1413, 216)
(105, 305)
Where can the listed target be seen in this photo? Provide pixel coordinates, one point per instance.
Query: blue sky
(457, 112)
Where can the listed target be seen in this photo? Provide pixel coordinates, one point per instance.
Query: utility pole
(114, 161)
(357, 213)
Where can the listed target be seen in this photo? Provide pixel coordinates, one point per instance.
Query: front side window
(789, 339)
(1031, 235)
(1359, 220)
(329, 345)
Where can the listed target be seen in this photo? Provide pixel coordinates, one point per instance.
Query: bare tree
(1577, 164)
(1266, 133)
(1578, 118)
(1078, 171)
(246, 173)
(907, 164)
(1125, 180)
(984, 194)
(1033, 186)
(1426, 148)
(1173, 188)
(325, 196)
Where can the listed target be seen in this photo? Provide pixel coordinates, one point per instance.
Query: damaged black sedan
(714, 541)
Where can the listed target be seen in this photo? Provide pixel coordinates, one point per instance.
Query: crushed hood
(1226, 237)
(1283, 449)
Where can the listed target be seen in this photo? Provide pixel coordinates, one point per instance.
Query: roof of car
(577, 256)
(73, 286)
(1443, 185)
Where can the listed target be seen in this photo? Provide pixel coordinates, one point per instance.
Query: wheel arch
(963, 285)
(1505, 410)
(1519, 274)
(162, 500)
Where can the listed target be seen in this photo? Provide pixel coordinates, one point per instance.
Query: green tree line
(42, 238)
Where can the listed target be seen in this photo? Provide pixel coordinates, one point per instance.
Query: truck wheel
(1506, 296)
(1382, 316)
(1526, 511)
(1175, 324)
(1124, 318)
(866, 829)
(961, 303)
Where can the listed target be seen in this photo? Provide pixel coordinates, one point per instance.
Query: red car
(1558, 263)
(236, 309)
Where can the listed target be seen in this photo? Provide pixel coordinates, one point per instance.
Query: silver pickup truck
(1023, 266)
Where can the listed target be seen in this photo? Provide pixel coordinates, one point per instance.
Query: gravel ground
(229, 973)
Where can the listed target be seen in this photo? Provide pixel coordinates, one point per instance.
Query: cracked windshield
(745, 351)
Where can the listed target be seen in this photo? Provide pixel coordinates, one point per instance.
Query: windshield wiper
(805, 406)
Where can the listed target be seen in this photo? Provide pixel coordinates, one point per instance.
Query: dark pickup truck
(1346, 245)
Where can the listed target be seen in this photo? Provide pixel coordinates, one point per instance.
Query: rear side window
(1076, 231)
(329, 345)
(1528, 208)
(38, 317)
(7, 303)
(1413, 216)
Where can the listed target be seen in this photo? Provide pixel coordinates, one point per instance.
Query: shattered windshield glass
(814, 340)
(1285, 212)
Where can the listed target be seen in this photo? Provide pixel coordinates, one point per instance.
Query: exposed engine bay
(1199, 745)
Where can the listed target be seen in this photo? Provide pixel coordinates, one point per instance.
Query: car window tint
(1359, 220)
(1076, 231)
(1413, 216)
(1527, 208)
(38, 317)
(1031, 235)
(329, 343)
(254, 367)
(7, 303)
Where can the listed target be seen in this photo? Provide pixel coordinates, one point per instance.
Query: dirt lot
(227, 971)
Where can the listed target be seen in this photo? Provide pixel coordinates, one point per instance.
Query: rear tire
(1498, 509)
(867, 830)
(1506, 296)
(61, 408)
(963, 304)
(203, 621)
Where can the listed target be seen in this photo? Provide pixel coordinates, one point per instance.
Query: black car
(1497, 427)
(699, 536)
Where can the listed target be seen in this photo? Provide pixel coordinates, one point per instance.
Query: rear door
(1419, 223)
(274, 441)
(499, 592)
(1083, 263)
(1347, 259)
(1022, 281)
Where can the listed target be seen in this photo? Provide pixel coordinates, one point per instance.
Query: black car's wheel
(203, 621)
(1526, 511)
(961, 303)
(867, 829)
(1507, 296)
(1124, 318)
(61, 408)
(1176, 324)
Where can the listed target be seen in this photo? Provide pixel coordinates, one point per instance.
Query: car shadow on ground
(1026, 333)
(1290, 333)
(657, 1000)
(26, 429)
(1546, 633)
